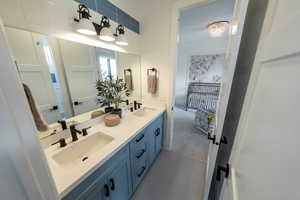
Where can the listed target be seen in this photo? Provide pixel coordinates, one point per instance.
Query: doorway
(203, 38)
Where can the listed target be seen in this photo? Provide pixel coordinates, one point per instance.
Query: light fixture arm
(103, 24)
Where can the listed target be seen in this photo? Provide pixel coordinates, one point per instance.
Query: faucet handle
(84, 131)
(62, 142)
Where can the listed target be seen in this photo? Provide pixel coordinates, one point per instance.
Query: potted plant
(112, 92)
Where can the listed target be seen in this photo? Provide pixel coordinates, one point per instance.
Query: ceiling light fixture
(216, 29)
(120, 35)
(84, 26)
(103, 30)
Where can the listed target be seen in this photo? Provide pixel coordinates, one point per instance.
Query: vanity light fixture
(216, 29)
(103, 30)
(84, 26)
(120, 35)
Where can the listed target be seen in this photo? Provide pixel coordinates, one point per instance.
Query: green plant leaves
(112, 91)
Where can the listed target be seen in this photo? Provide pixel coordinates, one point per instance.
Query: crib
(203, 97)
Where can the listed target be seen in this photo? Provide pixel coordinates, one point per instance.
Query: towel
(41, 125)
(128, 81)
(152, 83)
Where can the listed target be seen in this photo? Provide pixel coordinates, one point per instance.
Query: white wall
(155, 40)
(10, 186)
(55, 18)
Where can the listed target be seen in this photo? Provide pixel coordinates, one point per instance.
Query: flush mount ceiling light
(120, 35)
(216, 29)
(103, 30)
(84, 26)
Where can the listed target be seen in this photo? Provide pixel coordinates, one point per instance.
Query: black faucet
(74, 132)
(62, 142)
(84, 131)
(137, 105)
(63, 124)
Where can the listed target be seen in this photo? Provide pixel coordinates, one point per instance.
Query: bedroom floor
(188, 140)
(180, 173)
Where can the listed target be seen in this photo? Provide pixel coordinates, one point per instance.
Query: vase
(117, 112)
(108, 109)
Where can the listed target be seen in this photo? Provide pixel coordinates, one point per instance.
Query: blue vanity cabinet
(111, 181)
(120, 176)
(155, 136)
(138, 158)
(119, 180)
(158, 133)
(97, 191)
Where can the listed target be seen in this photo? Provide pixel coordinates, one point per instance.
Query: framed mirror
(62, 75)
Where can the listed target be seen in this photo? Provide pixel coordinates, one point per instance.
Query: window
(108, 67)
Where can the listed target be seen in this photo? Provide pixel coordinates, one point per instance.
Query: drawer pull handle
(139, 139)
(112, 182)
(141, 154)
(142, 172)
(157, 132)
(106, 190)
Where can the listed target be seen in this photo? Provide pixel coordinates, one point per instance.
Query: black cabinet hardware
(139, 139)
(212, 138)
(157, 132)
(112, 184)
(106, 188)
(223, 141)
(77, 103)
(62, 142)
(141, 154)
(223, 169)
(142, 172)
(53, 108)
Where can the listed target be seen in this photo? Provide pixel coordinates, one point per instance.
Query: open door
(236, 31)
(265, 160)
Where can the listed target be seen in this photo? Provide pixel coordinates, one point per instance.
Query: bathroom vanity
(110, 162)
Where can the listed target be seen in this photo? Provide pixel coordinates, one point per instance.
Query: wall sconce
(103, 30)
(120, 35)
(84, 26)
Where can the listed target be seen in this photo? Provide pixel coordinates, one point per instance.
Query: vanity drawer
(140, 138)
(138, 146)
(139, 171)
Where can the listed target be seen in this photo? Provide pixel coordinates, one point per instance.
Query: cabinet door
(158, 133)
(151, 142)
(119, 180)
(98, 191)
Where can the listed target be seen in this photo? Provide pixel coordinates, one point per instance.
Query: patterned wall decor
(104, 7)
(206, 68)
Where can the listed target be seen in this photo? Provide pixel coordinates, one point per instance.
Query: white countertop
(66, 179)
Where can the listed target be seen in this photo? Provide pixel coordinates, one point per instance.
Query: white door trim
(29, 161)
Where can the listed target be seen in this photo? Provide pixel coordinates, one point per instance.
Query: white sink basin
(80, 152)
(144, 111)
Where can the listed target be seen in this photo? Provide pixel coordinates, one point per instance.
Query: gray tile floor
(178, 174)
